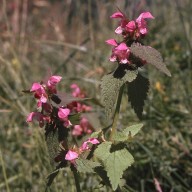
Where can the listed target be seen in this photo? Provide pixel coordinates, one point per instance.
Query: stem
(76, 177)
(4, 172)
(117, 109)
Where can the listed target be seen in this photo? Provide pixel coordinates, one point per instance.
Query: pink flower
(84, 127)
(71, 156)
(85, 108)
(77, 106)
(77, 91)
(43, 91)
(85, 145)
(120, 52)
(131, 26)
(39, 92)
(123, 22)
(52, 82)
(36, 116)
(63, 114)
(77, 130)
(142, 25)
(132, 29)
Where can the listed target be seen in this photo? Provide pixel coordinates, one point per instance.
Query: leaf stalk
(117, 110)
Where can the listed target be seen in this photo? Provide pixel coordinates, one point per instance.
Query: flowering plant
(105, 151)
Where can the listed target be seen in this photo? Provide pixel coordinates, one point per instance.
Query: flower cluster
(131, 31)
(74, 153)
(84, 127)
(56, 117)
(43, 92)
(78, 106)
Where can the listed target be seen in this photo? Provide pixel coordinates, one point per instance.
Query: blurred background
(68, 38)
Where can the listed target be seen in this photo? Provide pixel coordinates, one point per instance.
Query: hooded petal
(93, 141)
(53, 80)
(35, 87)
(71, 155)
(112, 42)
(121, 47)
(30, 117)
(117, 15)
(131, 26)
(63, 113)
(85, 145)
(144, 15)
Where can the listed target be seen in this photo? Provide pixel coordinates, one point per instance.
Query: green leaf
(86, 166)
(115, 159)
(111, 85)
(103, 150)
(116, 163)
(96, 134)
(137, 94)
(125, 73)
(75, 119)
(150, 55)
(133, 130)
(130, 75)
(109, 91)
(53, 175)
(103, 174)
(120, 136)
(52, 144)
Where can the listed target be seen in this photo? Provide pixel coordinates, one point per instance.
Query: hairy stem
(76, 177)
(117, 109)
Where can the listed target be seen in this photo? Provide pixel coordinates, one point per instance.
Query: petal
(77, 130)
(144, 15)
(35, 116)
(121, 47)
(84, 146)
(76, 90)
(35, 87)
(43, 99)
(111, 42)
(131, 26)
(63, 113)
(53, 80)
(117, 15)
(74, 86)
(67, 123)
(113, 58)
(124, 61)
(143, 31)
(119, 30)
(71, 155)
(30, 117)
(93, 141)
